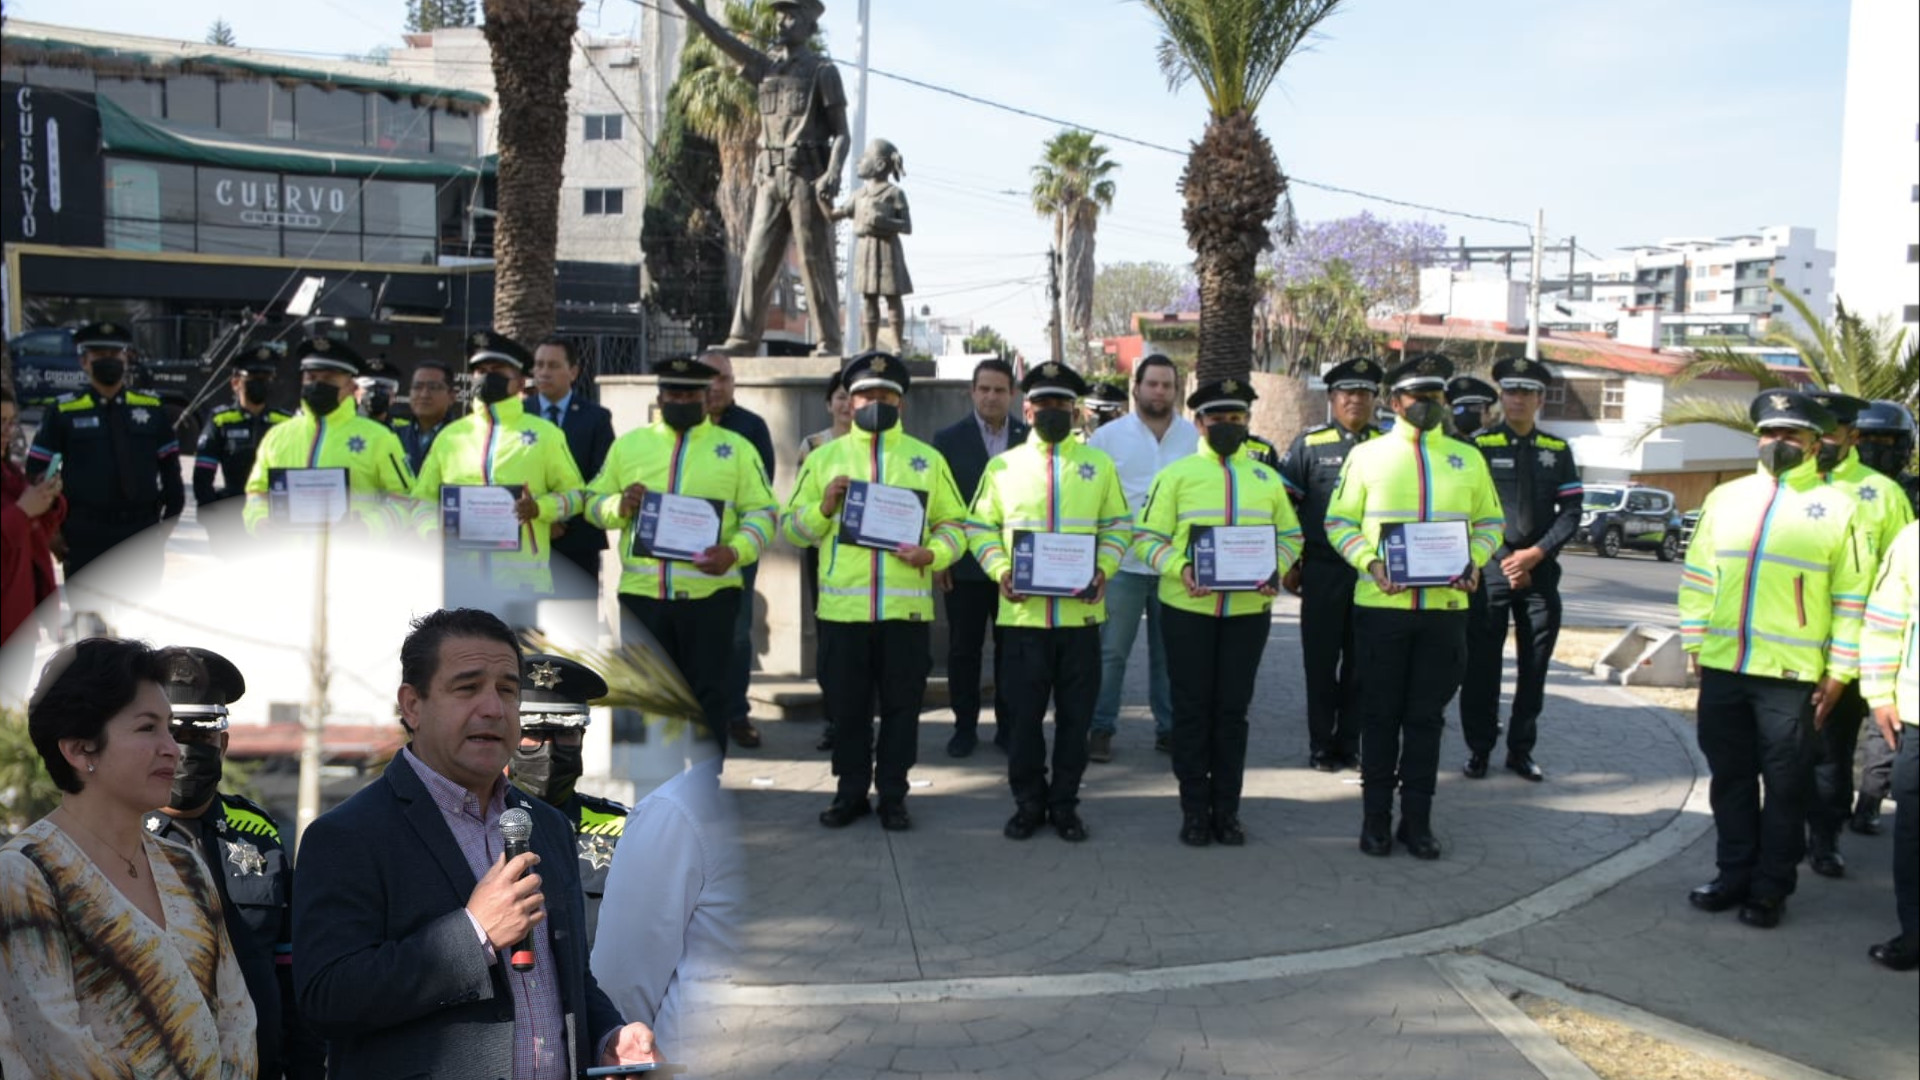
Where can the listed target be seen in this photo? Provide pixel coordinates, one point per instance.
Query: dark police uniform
(1262, 451)
(241, 843)
(1540, 493)
(554, 697)
(1311, 470)
(1470, 398)
(227, 445)
(121, 462)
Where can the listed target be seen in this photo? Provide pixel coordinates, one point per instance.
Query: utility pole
(852, 299)
(313, 723)
(1053, 304)
(1533, 286)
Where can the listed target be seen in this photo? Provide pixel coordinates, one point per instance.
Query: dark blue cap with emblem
(1469, 390)
(876, 370)
(259, 360)
(684, 373)
(1421, 371)
(1888, 416)
(1845, 407)
(1520, 373)
(1788, 408)
(1053, 380)
(1222, 395)
(103, 335)
(326, 354)
(1108, 397)
(200, 684)
(1358, 373)
(555, 691)
(485, 345)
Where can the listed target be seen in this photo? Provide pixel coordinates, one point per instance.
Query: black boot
(1376, 834)
(1416, 832)
(1823, 852)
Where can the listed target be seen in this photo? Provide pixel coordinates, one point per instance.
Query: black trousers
(90, 535)
(1211, 664)
(1876, 763)
(1412, 662)
(1327, 653)
(1906, 831)
(972, 608)
(1753, 729)
(697, 635)
(1061, 666)
(1535, 615)
(1834, 744)
(862, 662)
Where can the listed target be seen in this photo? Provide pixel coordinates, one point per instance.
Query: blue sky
(1626, 121)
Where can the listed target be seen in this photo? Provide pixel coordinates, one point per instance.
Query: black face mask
(375, 403)
(682, 415)
(1224, 439)
(1052, 425)
(1780, 457)
(1469, 420)
(492, 388)
(548, 773)
(1829, 455)
(1885, 460)
(108, 372)
(321, 397)
(196, 777)
(876, 417)
(1426, 415)
(255, 391)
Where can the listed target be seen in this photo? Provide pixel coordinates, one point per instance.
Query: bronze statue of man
(803, 147)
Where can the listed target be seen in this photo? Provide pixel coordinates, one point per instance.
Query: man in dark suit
(972, 599)
(405, 909)
(589, 428)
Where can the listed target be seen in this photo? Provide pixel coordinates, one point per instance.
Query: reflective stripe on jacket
(1206, 489)
(379, 483)
(1890, 643)
(1067, 487)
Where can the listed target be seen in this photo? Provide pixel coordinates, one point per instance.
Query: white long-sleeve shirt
(1139, 457)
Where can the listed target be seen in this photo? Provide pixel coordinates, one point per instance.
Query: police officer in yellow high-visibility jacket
(687, 600)
(1049, 486)
(1214, 635)
(876, 607)
(1771, 598)
(1412, 639)
(497, 443)
(329, 433)
(1883, 513)
(1890, 678)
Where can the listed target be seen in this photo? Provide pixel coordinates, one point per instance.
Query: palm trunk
(1076, 284)
(1232, 187)
(532, 45)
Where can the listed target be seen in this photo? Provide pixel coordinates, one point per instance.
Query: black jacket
(966, 453)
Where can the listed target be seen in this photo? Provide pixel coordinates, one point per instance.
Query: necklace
(132, 871)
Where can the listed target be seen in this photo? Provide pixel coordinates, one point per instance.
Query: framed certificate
(1053, 564)
(479, 517)
(882, 516)
(676, 527)
(1233, 558)
(1425, 553)
(306, 498)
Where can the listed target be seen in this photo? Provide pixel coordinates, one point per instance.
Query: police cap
(379, 368)
(1053, 380)
(326, 354)
(554, 691)
(876, 370)
(485, 345)
(103, 335)
(1421, 371)
(1885, 416)
(684, 373)
(1108, 397)
(811, 8)
(1222, 395)
(1520, 373)
(259, 360)
(1468, 390)
(1788, 408)
(1359, 373)
(1844, 407)
(200, 684)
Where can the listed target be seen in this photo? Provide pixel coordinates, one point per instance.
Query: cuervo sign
(265, 200)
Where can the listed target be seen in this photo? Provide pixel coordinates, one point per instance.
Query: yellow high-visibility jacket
(861, 584)
(501, 444)
(1408, 475)
(1067, 487)
(1776, 578)
(706, 462)
(1206, 489)
(1890, 645)
(1884, 509)
(379, 483)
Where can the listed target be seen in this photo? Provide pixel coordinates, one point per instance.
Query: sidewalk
(950, 951)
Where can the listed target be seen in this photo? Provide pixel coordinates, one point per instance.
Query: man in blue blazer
(407, 919)
(972, 599)
(589, 428)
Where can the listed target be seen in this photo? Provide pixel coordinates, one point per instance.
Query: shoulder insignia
(1494, 439)
(76, 402)
(250, 820)
(401, 421)
(134, 397)
(228, 417)
(275, 416)
(1548, 442)
(1323, 437)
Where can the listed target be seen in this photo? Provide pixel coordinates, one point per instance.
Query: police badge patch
(246, 858)
(529, 437)
(596, 851)
(356, 444)
(1548, 458)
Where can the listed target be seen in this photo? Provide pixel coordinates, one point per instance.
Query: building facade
(1727, 278)
(1878, 269)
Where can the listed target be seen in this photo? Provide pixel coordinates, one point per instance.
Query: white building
(1724, 280)
(1878, 272)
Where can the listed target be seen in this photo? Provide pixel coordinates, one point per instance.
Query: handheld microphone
(516, 828)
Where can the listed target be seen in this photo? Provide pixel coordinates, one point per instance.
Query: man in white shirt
(1141, 443)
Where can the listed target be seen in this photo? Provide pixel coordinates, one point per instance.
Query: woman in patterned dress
(114, 961)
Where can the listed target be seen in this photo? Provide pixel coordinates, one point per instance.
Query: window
(605, 201)
(144, 98)
(1913, 253)
(60, 78)
(410, 250)
(1911, 314)
(333, 247)
(1705, 294)
(256, 108)
(1639, 502)
(1613, 400)
(452, 134)
(604, 127)
(332, 117)
(400, 126)
(1916, 193)
(193, 101)
(239, 240)
(398, 208)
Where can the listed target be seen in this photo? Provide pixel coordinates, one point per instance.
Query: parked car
(1616, 517)
(45, 366)
(1687, 522)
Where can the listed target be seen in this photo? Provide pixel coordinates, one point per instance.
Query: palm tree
(722, 107)
(1234, 49)
(532, 46)
(1867, 360)
(1071, 185)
